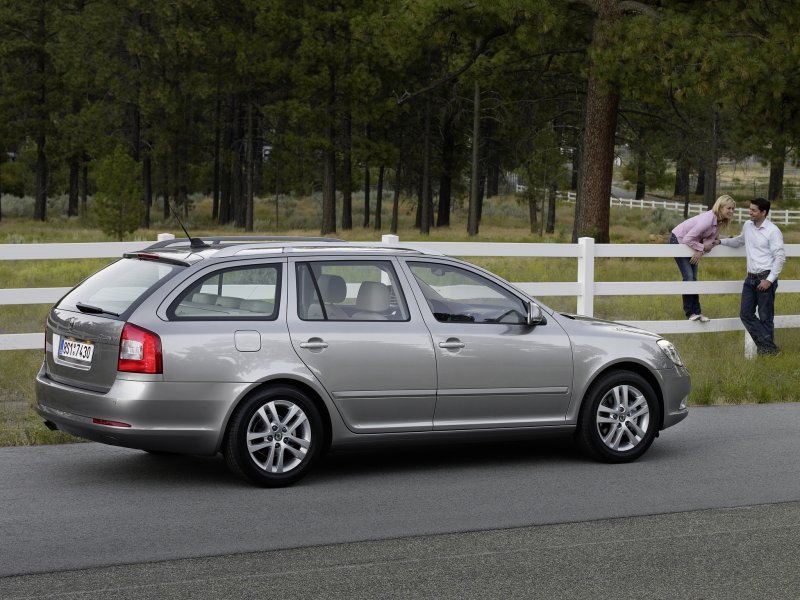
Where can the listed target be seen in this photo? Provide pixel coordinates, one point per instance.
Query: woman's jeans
(760, 327)
(691, 302)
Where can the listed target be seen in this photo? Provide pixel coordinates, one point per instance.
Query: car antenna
(194, 243)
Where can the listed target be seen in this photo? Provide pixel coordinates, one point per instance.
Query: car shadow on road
(434, 457)
(125, 466)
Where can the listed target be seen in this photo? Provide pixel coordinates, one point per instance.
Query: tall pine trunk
(40, 206)
(74, 179)
(379, 198)
(473, 221)
(347, 171)
(425, 205)
(776, 167)
(367, 185)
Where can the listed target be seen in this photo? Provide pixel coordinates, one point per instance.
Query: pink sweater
(698, 230)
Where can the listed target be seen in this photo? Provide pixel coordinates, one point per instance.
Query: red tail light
(139, 351)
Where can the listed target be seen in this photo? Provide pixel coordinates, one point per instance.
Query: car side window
(362, 290)
(457, 295)
(242, 293)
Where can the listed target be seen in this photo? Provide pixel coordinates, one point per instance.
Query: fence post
(749, 346)
(586, 277)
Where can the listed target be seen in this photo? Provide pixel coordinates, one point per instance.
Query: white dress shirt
(763, 246)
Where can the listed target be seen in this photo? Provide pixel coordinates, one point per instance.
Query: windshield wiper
(94, 310)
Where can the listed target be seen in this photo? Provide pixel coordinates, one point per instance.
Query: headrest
(203, 298)
(373, 296)
(332, 287)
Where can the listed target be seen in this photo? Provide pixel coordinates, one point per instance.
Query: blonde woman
(701, 234)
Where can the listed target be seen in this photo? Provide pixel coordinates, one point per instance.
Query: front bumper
(675, 386)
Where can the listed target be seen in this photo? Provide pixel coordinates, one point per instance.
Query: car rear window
(119, 286)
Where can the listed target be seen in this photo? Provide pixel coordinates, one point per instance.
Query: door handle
(452, 344)
(314, 344)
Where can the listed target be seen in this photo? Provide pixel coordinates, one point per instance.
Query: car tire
(619, 418)
(292, 437)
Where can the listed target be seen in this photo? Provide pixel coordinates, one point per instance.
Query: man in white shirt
(763, 244)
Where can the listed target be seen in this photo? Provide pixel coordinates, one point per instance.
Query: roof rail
(240, 239)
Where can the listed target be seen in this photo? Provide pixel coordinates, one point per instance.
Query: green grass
(720, 374)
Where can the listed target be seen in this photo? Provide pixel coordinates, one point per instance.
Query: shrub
(118, 205)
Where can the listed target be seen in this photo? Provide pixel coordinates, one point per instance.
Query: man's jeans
(691, 302)
(761, 328)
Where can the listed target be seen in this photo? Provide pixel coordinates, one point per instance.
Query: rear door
(351, 324)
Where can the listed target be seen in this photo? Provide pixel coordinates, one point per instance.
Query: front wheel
(619, 417)
(274, 437)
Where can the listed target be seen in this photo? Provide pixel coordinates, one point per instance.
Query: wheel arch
(633, 367)
(313, 395)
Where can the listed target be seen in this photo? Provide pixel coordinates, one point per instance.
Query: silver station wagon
(271, 351)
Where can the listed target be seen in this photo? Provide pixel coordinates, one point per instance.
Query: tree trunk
(84, 185)
(710, 191)
(216, 175)
(576, 160)
(367, 185)
(700, 188)
(551, 209)
(597, 150)
(641, 168)
(396, 197)
(40, 206)
(446, 179)
(329, 191)
(165, 184)
(379, 198)
(594, 185)
(776, 166)
(532, 211)
(347, 172)
(473, 221)
(249, 162)
(681, 177)
(425, 206)
(74, 176)
(147, 179)
(492, 179)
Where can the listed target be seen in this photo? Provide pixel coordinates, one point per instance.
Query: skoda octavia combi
(272, 351)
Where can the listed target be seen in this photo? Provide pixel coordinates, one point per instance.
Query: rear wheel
(274, 437)
(619, 417)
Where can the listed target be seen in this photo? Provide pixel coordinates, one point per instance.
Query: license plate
(75, 350)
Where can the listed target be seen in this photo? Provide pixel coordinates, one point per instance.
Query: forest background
(125, 108)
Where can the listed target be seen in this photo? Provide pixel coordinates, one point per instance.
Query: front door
(494, 370)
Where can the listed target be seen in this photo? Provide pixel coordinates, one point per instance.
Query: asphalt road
(439, 514)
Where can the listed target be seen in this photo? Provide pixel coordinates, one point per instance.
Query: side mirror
(535, 315)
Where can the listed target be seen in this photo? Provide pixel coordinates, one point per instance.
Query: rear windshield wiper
(94, 310)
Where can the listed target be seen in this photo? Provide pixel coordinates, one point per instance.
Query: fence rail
(740, 215)
(584, 288)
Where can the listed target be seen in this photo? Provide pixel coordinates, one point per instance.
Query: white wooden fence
(740, 215)
(584, 288)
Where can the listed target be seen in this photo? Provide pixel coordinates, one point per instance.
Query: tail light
(139, 351)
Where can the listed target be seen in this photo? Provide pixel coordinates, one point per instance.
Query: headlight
(671, 352)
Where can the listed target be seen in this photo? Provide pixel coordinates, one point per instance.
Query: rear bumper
(184, 418)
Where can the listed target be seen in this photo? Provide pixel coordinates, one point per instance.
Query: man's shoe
(694, 318)
(703, 318)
